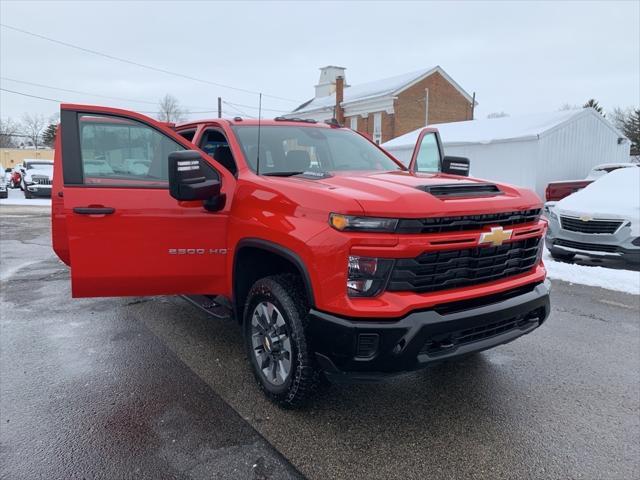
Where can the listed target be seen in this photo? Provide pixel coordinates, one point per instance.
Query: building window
(377, 128)
(354, 123)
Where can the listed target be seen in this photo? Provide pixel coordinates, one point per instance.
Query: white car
(601, 220)
(37, 177)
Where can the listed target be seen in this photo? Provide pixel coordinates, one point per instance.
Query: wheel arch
(276, 259)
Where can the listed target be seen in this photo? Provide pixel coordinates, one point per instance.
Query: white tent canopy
(529, 150)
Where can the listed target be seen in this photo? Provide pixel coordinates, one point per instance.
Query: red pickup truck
(335, 259)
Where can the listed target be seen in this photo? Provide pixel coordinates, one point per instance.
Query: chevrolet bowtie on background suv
(334, 258)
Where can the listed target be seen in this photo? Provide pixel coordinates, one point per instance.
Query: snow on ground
(612, 279)
(16, 197)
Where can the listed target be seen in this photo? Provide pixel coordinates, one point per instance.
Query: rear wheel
(275, 317)
(561, 256)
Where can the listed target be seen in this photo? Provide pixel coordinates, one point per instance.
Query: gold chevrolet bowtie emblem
(586, 218)
(496, 236)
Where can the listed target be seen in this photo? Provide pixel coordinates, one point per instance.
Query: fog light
(636, 242)
(366, 276)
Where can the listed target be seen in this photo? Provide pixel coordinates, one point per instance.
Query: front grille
(589, 247)
(467, 222)
(444, 342)
(41, 180)
(590, 226)
(445, 269)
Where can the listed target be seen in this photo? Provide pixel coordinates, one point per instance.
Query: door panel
(126, 234)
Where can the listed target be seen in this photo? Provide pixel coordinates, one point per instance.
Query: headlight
(349, 223)
(367, 276)
(550, 213)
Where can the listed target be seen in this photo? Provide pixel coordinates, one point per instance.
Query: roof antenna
(259, 118)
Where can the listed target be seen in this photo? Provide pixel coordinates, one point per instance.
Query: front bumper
(356, 350)
(39, 190)
(597, 245)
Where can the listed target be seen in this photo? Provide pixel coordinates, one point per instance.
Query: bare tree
(8, 131)
(33, 126)
(619, 117)
(170, 110)
(567, 106)
(497, 115)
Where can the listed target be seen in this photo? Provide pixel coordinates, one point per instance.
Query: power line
(32, 96)
(141, 65)
(78, 91)
(257, 108)
(231, 105)
(146, 112)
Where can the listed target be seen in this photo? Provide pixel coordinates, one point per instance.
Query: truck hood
(401, 194)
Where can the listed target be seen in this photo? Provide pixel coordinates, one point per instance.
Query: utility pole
(219, 107)
(473, 105)
(426, 107)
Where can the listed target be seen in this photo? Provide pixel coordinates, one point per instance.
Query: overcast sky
(518, 57)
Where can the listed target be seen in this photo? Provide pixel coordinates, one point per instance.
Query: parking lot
(153, 388)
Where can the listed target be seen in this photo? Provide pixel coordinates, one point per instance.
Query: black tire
(27, 193)
(286, 293)
(561, 256)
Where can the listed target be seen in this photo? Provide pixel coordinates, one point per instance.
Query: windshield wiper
(281, 174)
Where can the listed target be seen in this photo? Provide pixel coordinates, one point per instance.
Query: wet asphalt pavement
(153, 388)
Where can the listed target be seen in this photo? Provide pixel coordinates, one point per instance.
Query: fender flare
(281, 251)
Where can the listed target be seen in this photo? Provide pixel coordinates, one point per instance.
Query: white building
(530, 150)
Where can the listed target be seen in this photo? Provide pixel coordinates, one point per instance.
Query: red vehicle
(556, 191)
(16, 178)
(335, 259)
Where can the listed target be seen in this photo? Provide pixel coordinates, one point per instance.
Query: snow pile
(16, 197)
(626, 281)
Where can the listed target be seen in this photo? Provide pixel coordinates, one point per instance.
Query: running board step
(215, 306)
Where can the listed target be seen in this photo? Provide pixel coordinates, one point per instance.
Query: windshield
(292, 150)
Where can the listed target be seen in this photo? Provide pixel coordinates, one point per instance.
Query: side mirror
(191, 178)
(456, 166)
(7, 170)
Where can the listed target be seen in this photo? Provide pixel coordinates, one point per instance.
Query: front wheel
(279, 350)
(27, 193)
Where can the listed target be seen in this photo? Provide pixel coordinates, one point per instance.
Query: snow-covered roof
(493, 130)
(379, 88)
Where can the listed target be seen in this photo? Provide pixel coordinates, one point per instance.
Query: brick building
(387, 108)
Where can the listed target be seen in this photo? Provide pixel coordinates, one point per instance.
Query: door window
(123, 152)
(429, 154)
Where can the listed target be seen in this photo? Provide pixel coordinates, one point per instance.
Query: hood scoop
(457, 190)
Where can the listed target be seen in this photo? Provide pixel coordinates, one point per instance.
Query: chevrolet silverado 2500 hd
(335, 258)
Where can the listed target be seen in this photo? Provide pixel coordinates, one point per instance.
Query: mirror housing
(188, 179)
(456, 166)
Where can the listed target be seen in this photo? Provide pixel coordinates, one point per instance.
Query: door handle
(94, 210)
